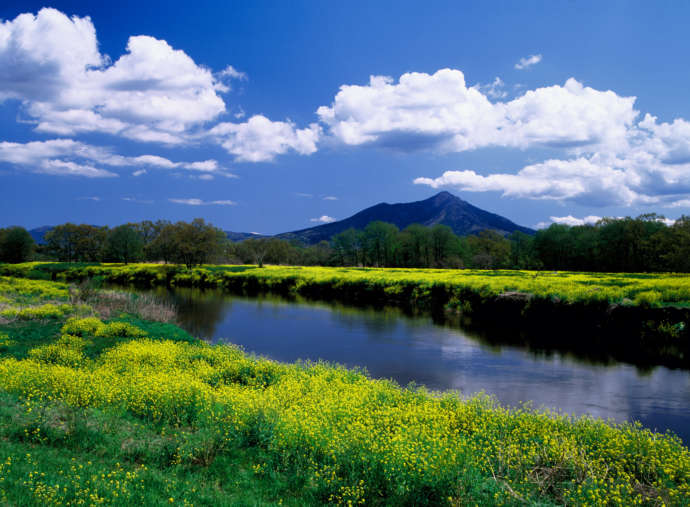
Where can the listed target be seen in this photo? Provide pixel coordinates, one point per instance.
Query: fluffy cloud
(572, 221)
(199, 202)
(323, 219)
(440, 112)
(682, 203)
(527, 62)
(591, 219)
(420, 111)
(68, 157)
(51, 157)
(495, 89)
(152, 93)
(260, 139)
(610, 157)
(579, 180)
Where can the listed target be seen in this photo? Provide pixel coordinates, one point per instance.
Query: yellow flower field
(354, 440)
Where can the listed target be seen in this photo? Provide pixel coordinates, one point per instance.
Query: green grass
(394, 283)
(52, 454)
(126, 411)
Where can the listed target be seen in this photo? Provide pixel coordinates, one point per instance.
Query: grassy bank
(121, 410)
(639, 318)
(417, 285)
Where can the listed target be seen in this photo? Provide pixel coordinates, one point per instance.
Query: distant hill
(444, 208)
(241, 236)
(39, 233)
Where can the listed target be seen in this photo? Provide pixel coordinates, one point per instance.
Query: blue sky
(275, 116)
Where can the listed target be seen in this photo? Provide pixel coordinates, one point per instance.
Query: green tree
(61, 241)
(320, 254)
(196, 242)
(415, 246)
(521, 250)
(76, 243)
(16, 245)
(442, 242)
(124, 244)
(489, 250)
(676, 246)
(162, 246)
(347, 246)
(553, 246)
(89, 241)
(380, 240)
(255, 250)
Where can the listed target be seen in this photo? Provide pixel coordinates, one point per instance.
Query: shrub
(120, 330)
(88, 326)
(648, 298)
(57, 353)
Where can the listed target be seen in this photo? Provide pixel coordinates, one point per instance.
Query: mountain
(444, 208)
(241, 236)
(39, 233)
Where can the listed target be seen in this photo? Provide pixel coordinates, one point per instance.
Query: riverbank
(125, 410)
(643, 319)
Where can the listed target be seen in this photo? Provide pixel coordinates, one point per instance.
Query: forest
(642, 244)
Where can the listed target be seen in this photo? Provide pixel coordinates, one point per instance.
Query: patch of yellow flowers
(359, 439)
(631, 288)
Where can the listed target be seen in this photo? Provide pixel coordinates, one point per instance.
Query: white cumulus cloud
(572, 221)
(439, 112)
(527, 62)
(323, 219)
(260, 139)
(152, 93)
(495, 89)
(579, 180)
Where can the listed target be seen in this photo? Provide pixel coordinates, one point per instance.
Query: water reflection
(408, 349)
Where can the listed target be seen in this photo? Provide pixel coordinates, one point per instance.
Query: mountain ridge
(443, 208)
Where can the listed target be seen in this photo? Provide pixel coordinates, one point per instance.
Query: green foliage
(648, 298)
(16, 245)
(194, 243)
(565, 285)
(76, 243)
(642, 244)
(46, 311)
(124, 244)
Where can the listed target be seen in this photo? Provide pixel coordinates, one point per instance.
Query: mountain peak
(443, 208)
(444, 197)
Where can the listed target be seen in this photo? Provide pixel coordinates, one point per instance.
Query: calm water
(414, 349)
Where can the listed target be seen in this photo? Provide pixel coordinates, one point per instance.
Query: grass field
(633, 289)
(122, 410)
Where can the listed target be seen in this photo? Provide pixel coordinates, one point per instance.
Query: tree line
(642, 244)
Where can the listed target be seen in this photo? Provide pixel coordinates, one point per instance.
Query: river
(390, 344)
